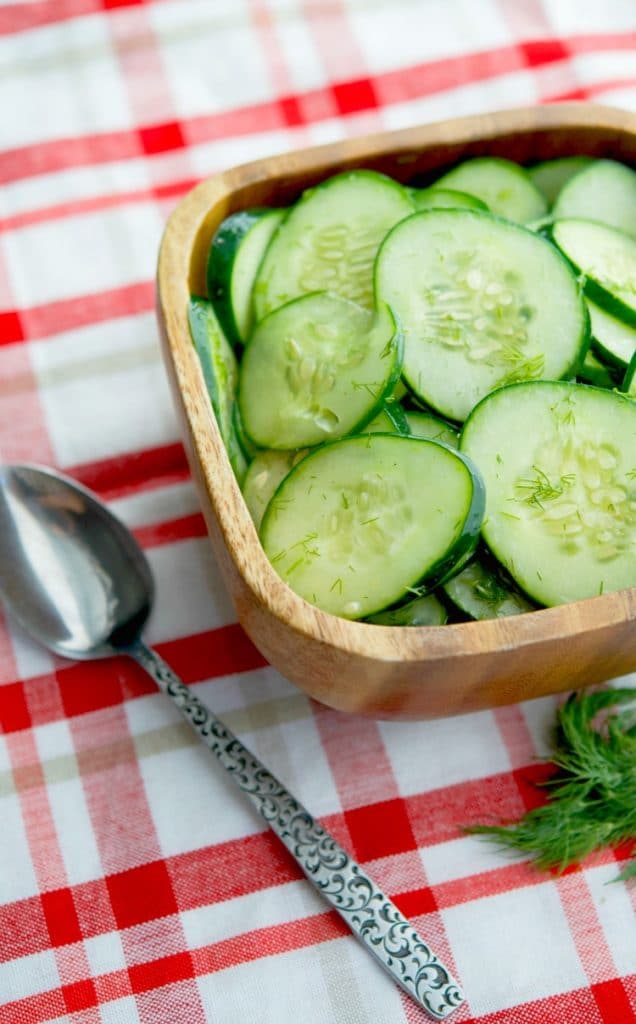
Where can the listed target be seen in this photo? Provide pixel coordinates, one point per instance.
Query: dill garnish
(592, 801)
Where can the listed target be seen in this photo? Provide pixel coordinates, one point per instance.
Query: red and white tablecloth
(136, 884)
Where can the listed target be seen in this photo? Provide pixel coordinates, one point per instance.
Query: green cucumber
(603, 191)
(607, 260)
(483, 302)
(329, 239)
(593, 371)
(484, 590)
(264, 474)
(363, 521)
(443, 198)
(391, 419)
(421, 611)
(220, 372)
(614, 340)
(505, 187)
(317, 369)
(551, 175)
(431, 427)
(559, 464)
(233, 261)
(629, 381)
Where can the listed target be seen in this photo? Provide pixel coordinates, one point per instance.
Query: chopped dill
(336, 585)
(592, 796)
(541, 488)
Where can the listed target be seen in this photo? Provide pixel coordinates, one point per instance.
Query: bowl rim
(187, 231)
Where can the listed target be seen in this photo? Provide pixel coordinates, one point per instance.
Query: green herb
(592, 802)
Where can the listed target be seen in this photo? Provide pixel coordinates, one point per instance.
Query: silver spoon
(77, 581)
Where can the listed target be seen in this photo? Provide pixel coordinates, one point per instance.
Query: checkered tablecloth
(136, 884)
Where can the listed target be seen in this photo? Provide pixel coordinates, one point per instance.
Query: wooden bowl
(386, 672)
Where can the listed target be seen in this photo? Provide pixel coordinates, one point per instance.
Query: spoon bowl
(70, 572)
(76, 580)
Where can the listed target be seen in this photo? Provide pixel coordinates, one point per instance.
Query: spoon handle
(370, 915)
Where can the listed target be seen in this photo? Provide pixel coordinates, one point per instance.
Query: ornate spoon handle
(370, 915)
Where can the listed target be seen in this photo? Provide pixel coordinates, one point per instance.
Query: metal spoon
(76, 580)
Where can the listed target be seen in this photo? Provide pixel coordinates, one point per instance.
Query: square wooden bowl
(386, 672)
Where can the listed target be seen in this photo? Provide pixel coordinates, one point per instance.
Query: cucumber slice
(264, 474)
(551, 175)
(629, 382)
(249, 449)
(604, 191)
(233, 261)
(607, 259)
(483, 590)
(505, 187)
(593, 371)
(426, 425)
(220, 372)
(391, 419)
(559, 464)
(614, 340)
(362, 521)
(317, 369)
(445, 198)
(422, 611)
(329, 240)
(482, 302)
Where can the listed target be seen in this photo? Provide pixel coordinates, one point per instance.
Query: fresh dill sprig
(592, 801)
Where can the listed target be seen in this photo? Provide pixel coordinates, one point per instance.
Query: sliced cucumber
(426, 425)
(614, 340)
(249, 449)
(362, 521)
(444, 198)
(606, 258)
(391, 419)
(629, 382)
(422, 611)
(220, 372)
(604, 191)
(505, 187)
(551, 175)
(482, 302)
(329, 240)
(483, 590)
(593, 371)
(264, 474)
(317, 369)
(559, 464)
(234, 258)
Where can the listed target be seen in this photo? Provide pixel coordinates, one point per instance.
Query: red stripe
(613, 1002)
(132, 472)
(16, 18)
(586, 92)
(22, 17)
(73, 207)
(69, 314)
(292, 108)
(240, 867)
(164, 971)
(390, 87)
(91, 686)
(184, 528)
(10, 328)
(271, 941)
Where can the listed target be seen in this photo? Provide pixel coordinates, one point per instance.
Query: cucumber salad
(427, 393)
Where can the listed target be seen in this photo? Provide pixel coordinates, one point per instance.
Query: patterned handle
(370, 915)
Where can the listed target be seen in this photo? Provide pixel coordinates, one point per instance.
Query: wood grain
(386, 672)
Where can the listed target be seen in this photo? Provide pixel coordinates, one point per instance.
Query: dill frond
(592, 801)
